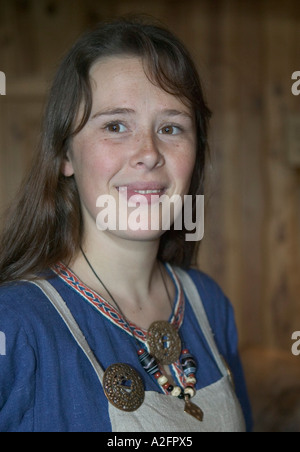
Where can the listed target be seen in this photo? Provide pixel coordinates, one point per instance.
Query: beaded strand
(188, 364)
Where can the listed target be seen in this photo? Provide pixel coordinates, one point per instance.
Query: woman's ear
(66, 166)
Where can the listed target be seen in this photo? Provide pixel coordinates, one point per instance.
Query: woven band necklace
(124, 387)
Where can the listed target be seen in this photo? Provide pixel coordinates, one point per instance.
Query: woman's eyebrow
(171, 112)
(120, 111)
(113, 111)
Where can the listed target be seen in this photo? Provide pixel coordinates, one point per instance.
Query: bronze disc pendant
(123, 387)
(164, 342)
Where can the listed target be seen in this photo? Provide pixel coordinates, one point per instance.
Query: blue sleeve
(221, 317)
(17, 374)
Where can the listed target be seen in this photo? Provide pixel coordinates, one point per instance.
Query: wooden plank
(251, 184)
(280, 234)
(230, 217)
(56, 26)
(212, 249)
(21, 120)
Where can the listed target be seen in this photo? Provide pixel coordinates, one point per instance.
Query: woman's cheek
(183, 169)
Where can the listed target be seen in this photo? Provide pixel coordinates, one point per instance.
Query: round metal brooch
(123, 387)
(164, 342)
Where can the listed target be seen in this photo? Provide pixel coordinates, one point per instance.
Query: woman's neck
(129, 270)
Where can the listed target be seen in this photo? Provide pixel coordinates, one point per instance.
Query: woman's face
(139, 141)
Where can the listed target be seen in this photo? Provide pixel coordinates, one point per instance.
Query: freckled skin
(136, 132)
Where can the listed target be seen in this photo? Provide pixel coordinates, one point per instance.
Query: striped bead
(188, 363)
(148, 362)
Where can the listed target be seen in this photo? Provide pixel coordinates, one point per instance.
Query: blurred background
(246, 52)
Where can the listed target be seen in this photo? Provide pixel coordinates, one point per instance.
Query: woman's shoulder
(17, 292)
(204, 281)
(27, 318)
(208, 288)
(22, 300)
(215, 302)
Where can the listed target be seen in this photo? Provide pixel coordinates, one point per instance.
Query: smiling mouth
(146, 192)
(141, 191)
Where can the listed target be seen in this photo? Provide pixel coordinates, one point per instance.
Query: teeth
(147, 192)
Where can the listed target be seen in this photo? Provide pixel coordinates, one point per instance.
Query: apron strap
(63, 310)
(195, 301)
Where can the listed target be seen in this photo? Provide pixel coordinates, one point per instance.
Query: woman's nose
(147, 154)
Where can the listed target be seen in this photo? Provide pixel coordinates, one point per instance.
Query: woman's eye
(116, 127)
(170, 130)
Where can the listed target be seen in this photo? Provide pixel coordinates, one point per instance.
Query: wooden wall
(246, 51)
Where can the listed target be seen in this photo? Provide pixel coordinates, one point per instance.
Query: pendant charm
(164, 342)
(123, 387)
(193, 410)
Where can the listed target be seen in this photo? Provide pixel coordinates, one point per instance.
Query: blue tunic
(46, 382)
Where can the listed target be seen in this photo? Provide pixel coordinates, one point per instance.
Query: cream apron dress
(161, 412)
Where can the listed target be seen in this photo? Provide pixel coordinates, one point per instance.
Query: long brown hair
(44, 224)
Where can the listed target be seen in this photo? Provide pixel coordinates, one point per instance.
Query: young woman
(106, 326)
